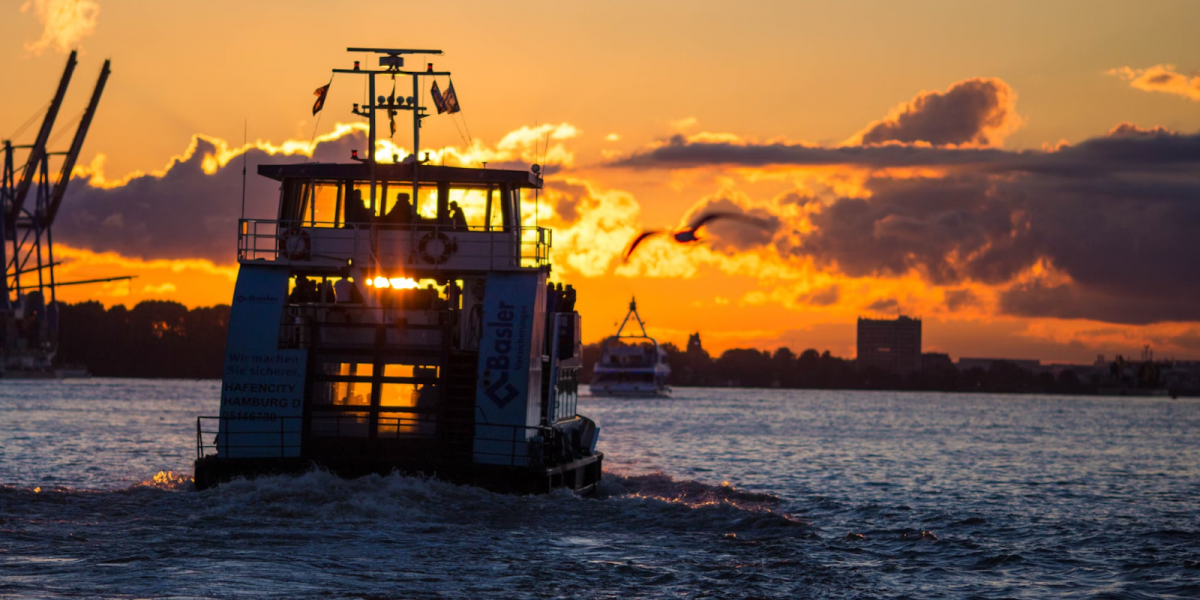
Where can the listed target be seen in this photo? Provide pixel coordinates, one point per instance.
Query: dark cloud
(1118, 214)
(884, 305)
(956, 300)
(1127, 243)
(679, 153)
(1158, 151)
(729, 234)
(567, 198)
(976, 111)
(822, 297)
(1085, 301)
(186, 213)
(1127, 129)
(798, 199)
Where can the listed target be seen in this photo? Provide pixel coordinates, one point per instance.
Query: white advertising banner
(262, 388)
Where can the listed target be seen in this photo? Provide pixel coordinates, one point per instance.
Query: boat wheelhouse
(631, 365)
(397, 317)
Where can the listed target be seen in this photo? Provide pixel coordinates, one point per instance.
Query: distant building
(693, 345)
(893, 345)
(966, 364)
(936, 361)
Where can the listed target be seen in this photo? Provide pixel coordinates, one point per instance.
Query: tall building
(893, 345)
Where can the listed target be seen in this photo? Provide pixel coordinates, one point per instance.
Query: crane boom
(73, 154)
(38, 153)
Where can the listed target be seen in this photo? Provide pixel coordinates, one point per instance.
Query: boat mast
(393, 60)
(634, 313)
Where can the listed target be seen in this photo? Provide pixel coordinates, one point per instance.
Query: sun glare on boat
(399, 283)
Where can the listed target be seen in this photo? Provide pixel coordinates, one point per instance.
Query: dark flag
(438, 100)
(320, 94)
(392, 111)
(451, 100)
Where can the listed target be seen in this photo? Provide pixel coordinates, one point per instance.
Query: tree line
(167, 340)
(153, 339)
(743, 367)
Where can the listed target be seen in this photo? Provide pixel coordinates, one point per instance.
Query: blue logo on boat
(499, 357)
(501, 392)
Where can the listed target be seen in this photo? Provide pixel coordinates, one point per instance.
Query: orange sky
(610, 86)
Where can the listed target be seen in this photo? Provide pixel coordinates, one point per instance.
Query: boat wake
(637, 502)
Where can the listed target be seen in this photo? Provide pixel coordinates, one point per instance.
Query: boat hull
(581, 475)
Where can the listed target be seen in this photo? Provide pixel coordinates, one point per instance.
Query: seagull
(687, 235)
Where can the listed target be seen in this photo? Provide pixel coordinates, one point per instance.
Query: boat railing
(265, 436)
(513, 445)
(423, 246)
(272, 436)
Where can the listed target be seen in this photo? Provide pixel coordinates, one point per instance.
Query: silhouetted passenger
(357, 213)
(326, 293)
(457, 219)
(299, 291)
(341, 290)
(426, 403)
(401, 213)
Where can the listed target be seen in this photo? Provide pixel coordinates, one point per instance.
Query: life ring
(436, 254)
(295, 244)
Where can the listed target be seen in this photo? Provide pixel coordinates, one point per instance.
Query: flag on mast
(320, 94)
(438, 100)
(451, 100)
(392, 111)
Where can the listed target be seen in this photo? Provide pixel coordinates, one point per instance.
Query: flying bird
(688, 235)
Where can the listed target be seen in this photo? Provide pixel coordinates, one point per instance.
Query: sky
(1024, 176)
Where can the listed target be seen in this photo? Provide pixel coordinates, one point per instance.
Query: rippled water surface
(715, 493)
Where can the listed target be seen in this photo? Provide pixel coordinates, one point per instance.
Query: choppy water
(829, 495)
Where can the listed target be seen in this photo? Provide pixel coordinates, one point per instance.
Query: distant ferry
(632, 366)
(376, 328)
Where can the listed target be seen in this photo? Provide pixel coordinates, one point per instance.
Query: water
(715, 494)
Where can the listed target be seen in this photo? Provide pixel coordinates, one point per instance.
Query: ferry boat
(631, 365)
(374, 330)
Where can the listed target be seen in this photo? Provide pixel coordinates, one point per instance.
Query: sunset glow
(948, 185)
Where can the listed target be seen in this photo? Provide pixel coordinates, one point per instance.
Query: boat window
(319, 290)
(323, 204)
(347, 369)
(348, 393)
(427, 203)
(398, 394)
(327, 203)
(310, 203)
(473, 203)
(410, 371)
